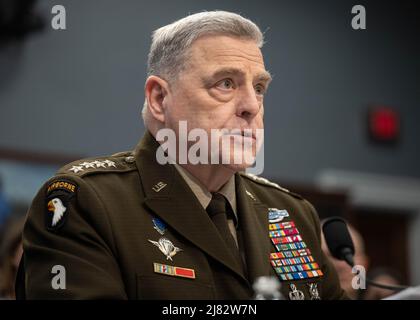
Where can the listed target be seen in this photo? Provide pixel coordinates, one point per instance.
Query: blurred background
(342, 114)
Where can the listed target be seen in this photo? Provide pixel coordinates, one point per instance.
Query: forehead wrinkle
(237, 52)
(237, 58)
(234, 53)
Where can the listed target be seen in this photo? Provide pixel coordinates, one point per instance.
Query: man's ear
(155, 90)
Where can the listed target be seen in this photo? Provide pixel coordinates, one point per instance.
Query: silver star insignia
(110, 163)
(88, 165)
(99, 164)
(76, 169)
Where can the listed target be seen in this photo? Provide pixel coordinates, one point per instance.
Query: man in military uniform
(129, 227)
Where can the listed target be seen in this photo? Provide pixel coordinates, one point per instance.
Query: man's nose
(248, 104)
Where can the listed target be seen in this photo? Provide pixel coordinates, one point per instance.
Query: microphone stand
(347, 256)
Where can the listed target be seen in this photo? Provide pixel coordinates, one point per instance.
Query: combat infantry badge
(276, 215)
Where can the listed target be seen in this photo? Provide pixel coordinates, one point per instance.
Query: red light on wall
(384, 124)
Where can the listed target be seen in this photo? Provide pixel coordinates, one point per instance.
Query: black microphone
(340, 244)
(338, 239)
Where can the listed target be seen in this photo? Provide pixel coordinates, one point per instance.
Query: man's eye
(260, 89)
(225, 84)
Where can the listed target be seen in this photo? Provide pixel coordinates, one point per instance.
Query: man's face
(222, 87)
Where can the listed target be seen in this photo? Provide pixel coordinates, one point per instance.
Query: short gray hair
(170, 43)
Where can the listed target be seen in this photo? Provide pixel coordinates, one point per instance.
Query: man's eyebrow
(264, 76)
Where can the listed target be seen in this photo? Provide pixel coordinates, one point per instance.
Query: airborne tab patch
(61, 185)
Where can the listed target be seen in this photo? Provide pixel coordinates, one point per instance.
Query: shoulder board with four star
(266, 182)
(119, 162)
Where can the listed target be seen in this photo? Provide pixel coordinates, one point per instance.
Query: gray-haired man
(128, 226)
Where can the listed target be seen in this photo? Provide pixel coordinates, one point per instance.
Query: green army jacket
(126, 227)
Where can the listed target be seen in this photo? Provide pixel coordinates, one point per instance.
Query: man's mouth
(246, 133)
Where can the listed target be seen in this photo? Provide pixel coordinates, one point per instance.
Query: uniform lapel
(176, 204)
(253, 219)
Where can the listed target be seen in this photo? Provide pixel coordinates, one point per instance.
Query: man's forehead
(219, 55)
(225, 48)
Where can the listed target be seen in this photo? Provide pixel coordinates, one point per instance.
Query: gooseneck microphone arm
(348, 257)
(341, 246)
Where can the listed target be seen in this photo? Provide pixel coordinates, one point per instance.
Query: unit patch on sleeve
(59, 194)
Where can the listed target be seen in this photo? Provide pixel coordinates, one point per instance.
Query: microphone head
(338, 238)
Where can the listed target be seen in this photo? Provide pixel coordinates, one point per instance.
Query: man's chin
(237, 167)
